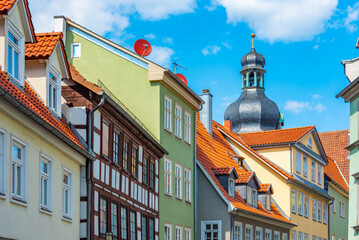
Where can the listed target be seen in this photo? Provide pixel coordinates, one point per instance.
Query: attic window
(75, 50)
(53, 94)
(310, 142)
(231, 187)
(15, 54)
(268, 201)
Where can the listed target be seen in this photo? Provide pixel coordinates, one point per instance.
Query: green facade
(338, 225)
(130, 83)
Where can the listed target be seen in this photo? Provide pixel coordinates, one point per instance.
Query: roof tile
(43, 48)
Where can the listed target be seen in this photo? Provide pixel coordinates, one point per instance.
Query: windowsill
(67, 219)
(2, 196)
(188, 143)
(178, 198)
(168, 195)
(168, 131)
(46, 211)
(188, 202)
(105, 157)
(179, 138)
(18, 201)
(356, 228)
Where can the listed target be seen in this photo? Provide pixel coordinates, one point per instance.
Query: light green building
(351, 94)
(161, 103)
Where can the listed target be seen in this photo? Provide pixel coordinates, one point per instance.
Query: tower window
(251, 79)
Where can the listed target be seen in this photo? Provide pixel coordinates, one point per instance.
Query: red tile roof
(212, 153)
(264, 187)
(334, 144)
(222, 170)
(30, 100)
(244, 177)
(77, 77)
(280, 136)
(6, 6)
(333, 172)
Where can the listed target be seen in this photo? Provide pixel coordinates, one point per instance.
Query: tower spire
(253, 35)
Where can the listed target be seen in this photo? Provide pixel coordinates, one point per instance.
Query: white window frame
(320, 212)
(334, 205)
(305, 166)
(310, 142)
(314, 211)
(342, 209)
(22, 198)
(3, 148)
(168, 114)
(187, 233)
(231, 187)
(20, 49)
(187, 127)
(168, 176)
(319, 174)
(211, 222)
(254, 198)
(306, 236)
(169, 228)
(294, 235)
(276, 233)
(268, 231)
(178, 235)
(72, 50)
(300, 203)
(249, 195)
(268, 201)
(284, 236)
(238, 235)
(306, 206)
(298, 161)
(43, 176)
(250, 234)
(314, 171)
(300, 236)
(187, 185)
(258, 229)
(54, 106)
(69, 187)
(325, 213)
(294, 204)
(178, 120)
(178, 181)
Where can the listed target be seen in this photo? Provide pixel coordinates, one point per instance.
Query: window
(319, 238)
(254, 198)
(238, 230)
(248, 232)
(75, 50)
(45, 183)
(249, 195)
(134, 161)
(313, 171)
(15, 53)
(231, 187)
(144, 227)
(53, 91)
(105, 137)
(178, 181)
(284, 236)
(178, 121)
(151, 229)
(319, 169)
(314, 209)
(259, 233)
(2, 162)
(333, 205)
(187, 127)
(133, 231)
(152, 174)
(300, 236)
(294, 235)
(116, 146)
(268, 202)
(310, 142)
(268, 234)
(187, 234)
(306, 236)
(341, 209)
(168, 114)
(314, 237)
(276, 235)
(145, 168)
(67, 194)
(300, 203)
(103, 215)
(306, 205)
(187, 185)
(319, 211)
(333, 237)
(168, 177)
(178, 233)
(18, 170)
(168, 232)
(305, 166)
(294, 200)
(123, 223)
(114, 224)
(298, 161)
(126, 153)
(211, 230)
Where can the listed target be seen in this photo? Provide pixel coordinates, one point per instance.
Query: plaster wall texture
(3, 57)
(279, 156)
(17, 221)
(36, 74)
(351, 69)
(338, 226)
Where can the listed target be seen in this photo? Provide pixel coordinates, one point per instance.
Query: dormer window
(231, 187)
(249, 195)
(15, 54)
(254, 198)
(53, 90)
(268, 202)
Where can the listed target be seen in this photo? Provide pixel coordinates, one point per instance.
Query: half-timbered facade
(124, 178)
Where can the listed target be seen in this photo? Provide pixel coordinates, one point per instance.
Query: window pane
(123, 223)
(114, 224)
(18, 181)
(16, 152)
(103, 215)
(105, 136)
(116, 147)
(12, 38)
(134, 160)
(16, 65)
(133, 225)
(126, 156)
(45, 192)
(144, 227)
(9, 59)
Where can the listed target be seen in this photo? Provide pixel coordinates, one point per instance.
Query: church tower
(253, 111)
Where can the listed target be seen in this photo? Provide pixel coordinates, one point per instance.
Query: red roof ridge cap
(278, 130)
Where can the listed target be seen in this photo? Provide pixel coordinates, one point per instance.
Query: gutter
(89, 163)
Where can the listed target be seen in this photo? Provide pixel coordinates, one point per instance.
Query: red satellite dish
(142, 47)
(183, 78)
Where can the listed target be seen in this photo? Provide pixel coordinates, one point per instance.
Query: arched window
(251, 79)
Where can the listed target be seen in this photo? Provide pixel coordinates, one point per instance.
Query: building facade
(159, 100)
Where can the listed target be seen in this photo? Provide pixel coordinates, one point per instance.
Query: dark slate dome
(253, 60)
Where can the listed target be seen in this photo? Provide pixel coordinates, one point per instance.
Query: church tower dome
(253, 111)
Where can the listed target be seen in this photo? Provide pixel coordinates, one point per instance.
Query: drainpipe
(328, 216)
(89, 164)
(195, 172)
(232, 224)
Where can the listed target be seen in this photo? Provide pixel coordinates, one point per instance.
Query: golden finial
(253, 36)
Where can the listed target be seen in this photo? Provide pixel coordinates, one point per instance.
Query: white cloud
(167, 40)
(353, 16)
(227, 45)
(316, 47)
(211, 50)
(150, 36)
(315, 96)
(319, 107)
(161, 55)
(226, 100)
(297, 106)
(281, 20)
(106, 15)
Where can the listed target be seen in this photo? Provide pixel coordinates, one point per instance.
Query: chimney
(228, 125)
(206, 112)
(60, 26)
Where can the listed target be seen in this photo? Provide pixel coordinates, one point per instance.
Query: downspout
(195, 172)
(328, 215)
(89, 164)
(232, 224)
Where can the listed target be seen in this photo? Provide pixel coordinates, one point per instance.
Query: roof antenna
(175, 65)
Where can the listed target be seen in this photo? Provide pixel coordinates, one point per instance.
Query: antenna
(175, 65)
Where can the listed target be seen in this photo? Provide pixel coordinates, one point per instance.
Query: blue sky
(303, 43)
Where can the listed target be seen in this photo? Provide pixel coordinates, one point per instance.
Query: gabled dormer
(16, 29)
(227, 177)
(265, 195)
(247, 185)
(46, 65)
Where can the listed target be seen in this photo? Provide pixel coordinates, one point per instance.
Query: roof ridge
(340, 171)
(277, 130)
(346, 130)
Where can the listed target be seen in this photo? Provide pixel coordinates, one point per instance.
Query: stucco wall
(279, 156)
(338, 225)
